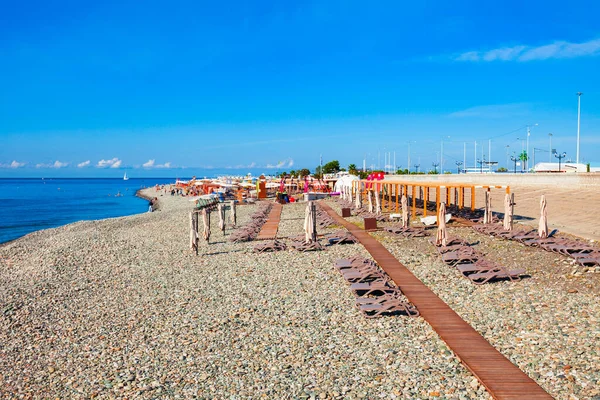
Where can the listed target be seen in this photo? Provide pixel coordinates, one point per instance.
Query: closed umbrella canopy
(221, 209)
(487, 216)
(309, 224)
(206, 221)
(404, 204)
(377, 203)
(358, 203)
(442, 234)
(233, 215)
(543, 228)
(369, 195)
(508, 217)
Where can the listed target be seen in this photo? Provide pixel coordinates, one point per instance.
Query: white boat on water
(125, 177)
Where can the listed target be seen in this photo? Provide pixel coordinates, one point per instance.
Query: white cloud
(83, 164)
(55, 164)
(152, 164)
(493, 111)
(58, 164)
(14, 164)
(287, 162)
(252, 165)
(521, 53)
(113, 163)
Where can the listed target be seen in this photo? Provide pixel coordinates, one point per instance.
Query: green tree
(352, 169)
(501, 169)
(523, 156)
(283, 174)
(331, 167)
(293, 173)
(303, 172)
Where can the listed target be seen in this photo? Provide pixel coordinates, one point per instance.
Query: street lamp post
(514, 159)
(578, 122)
(435, 165)
(507, 147)
(560, 157)
(417, 168)
(458, 164)
(481, 162)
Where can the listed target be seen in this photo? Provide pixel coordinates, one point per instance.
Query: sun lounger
(303, 246)
(264, 247)
(494, 274)
(373, 288)
(341, 238)
(386, 304)
(465, 255)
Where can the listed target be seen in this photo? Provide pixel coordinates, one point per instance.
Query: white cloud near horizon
(151, 164)
(84, 164)
(493, 111)
(281, 164)
(56, 164)
(113, 163)
(13, 164)
(522, 53)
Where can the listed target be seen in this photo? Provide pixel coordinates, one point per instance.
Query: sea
(28, 205)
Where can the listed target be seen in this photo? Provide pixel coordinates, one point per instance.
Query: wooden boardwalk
(501, 378)
(269, 229)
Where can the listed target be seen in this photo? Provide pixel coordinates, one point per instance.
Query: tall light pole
(507, 147)
(550, 155)
(442, 155)
(465, 155)
(578, 123)
(528, 134)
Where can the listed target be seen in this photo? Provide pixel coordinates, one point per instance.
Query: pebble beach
(122, 308)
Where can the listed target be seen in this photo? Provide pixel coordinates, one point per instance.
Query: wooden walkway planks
(501, 378)
(269, 229)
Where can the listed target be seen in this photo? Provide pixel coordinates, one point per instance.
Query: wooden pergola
(391, 192)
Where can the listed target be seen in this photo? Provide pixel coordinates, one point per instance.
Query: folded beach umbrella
(206, 221)
(358, 203)
(221, 209)
(309, 223)
(543, 227)
(233, 215)
(487, 215)
(377, 203)
(193, 231)
(508, 217)
(442, 233)
(404, 204)
(369, 195)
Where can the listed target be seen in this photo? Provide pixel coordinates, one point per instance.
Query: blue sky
(169, 89)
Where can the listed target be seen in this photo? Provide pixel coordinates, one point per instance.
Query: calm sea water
(27, 205)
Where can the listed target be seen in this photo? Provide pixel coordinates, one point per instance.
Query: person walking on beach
(150, 204)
